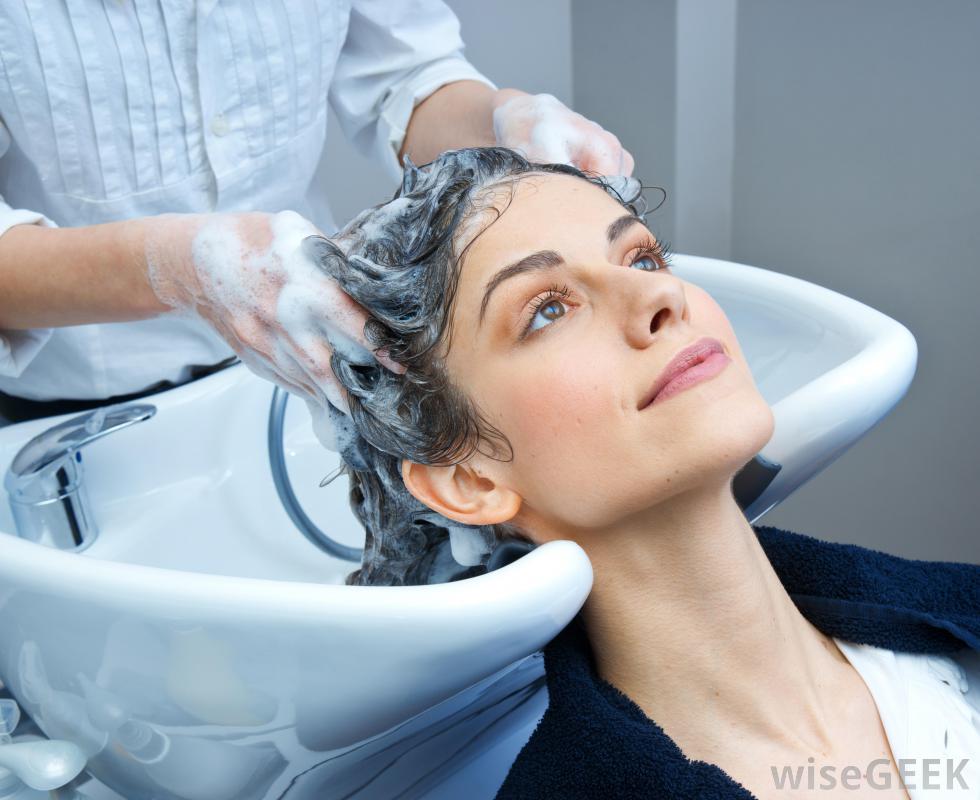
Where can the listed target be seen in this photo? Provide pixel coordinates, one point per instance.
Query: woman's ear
(458, 492)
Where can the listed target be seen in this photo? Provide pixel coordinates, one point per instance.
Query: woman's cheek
(559, 399)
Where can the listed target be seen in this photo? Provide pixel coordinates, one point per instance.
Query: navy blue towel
(594, 742)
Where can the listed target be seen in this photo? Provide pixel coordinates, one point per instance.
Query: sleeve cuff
(19, 348)
(401, 100)
(21, 216)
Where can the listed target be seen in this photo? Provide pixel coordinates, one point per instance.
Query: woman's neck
(689, 619)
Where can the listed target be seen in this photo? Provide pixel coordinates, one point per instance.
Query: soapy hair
(401, 261)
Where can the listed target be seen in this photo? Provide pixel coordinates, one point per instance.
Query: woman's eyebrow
(535, 262)
(619, 226)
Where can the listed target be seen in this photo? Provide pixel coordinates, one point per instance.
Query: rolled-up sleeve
(18, 348)
(395, 55)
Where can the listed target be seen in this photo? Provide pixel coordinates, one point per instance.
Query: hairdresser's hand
(247, 276)
(546, 130)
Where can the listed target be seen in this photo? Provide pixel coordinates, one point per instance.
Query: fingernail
(385, 360)
(335, 396)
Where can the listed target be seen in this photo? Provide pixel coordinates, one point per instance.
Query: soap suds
(250, 277)
(546, 130)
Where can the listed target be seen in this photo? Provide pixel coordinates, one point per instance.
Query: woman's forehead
(539, 211)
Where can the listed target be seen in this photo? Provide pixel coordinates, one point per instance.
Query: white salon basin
(202, 648)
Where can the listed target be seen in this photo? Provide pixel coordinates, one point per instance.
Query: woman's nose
(655, 301)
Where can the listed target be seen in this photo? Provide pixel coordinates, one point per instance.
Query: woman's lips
(695, 363)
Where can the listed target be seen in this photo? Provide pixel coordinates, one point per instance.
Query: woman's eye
(547, 310)
(647, 262)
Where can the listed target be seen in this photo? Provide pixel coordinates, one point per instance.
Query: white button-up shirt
(126, 108)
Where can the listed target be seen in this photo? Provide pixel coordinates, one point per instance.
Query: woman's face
(564, 377)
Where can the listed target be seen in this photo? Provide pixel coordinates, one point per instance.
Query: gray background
(836, 141)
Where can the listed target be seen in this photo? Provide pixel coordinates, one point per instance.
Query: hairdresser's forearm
(50, 277)
(457, 115)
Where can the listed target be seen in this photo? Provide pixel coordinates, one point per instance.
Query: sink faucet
(44, 483)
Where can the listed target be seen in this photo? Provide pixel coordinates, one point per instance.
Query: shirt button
(219, 125)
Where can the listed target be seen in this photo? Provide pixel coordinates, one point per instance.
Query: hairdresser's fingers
(318, 306)
(312, 357)
(628, 163)
(293, 365)
(341, 314)
(267, 371)
(261, 364)
(599, 152)
(323, 318)
(544, 129)
(534, 125)
(317, 316)
(335, 395)
(258, 345)
(276, 370)
(385, 359)
(267, 366)
(315, 395)
(322, 425)
(324, 334)
(334, 311)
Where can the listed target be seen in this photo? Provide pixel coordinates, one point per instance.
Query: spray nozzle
(42, 764)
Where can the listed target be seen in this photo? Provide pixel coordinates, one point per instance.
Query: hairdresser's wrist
(52, 277)
(501, 96)
(459, 114)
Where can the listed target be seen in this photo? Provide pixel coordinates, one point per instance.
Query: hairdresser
(159, 169)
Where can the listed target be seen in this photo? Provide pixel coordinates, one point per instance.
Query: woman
(536, 316)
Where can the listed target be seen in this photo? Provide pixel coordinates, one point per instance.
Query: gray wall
(623, 68)
(857, 166)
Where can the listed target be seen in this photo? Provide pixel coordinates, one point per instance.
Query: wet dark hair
(401, 261)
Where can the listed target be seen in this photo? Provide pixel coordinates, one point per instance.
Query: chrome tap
(45, 481)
